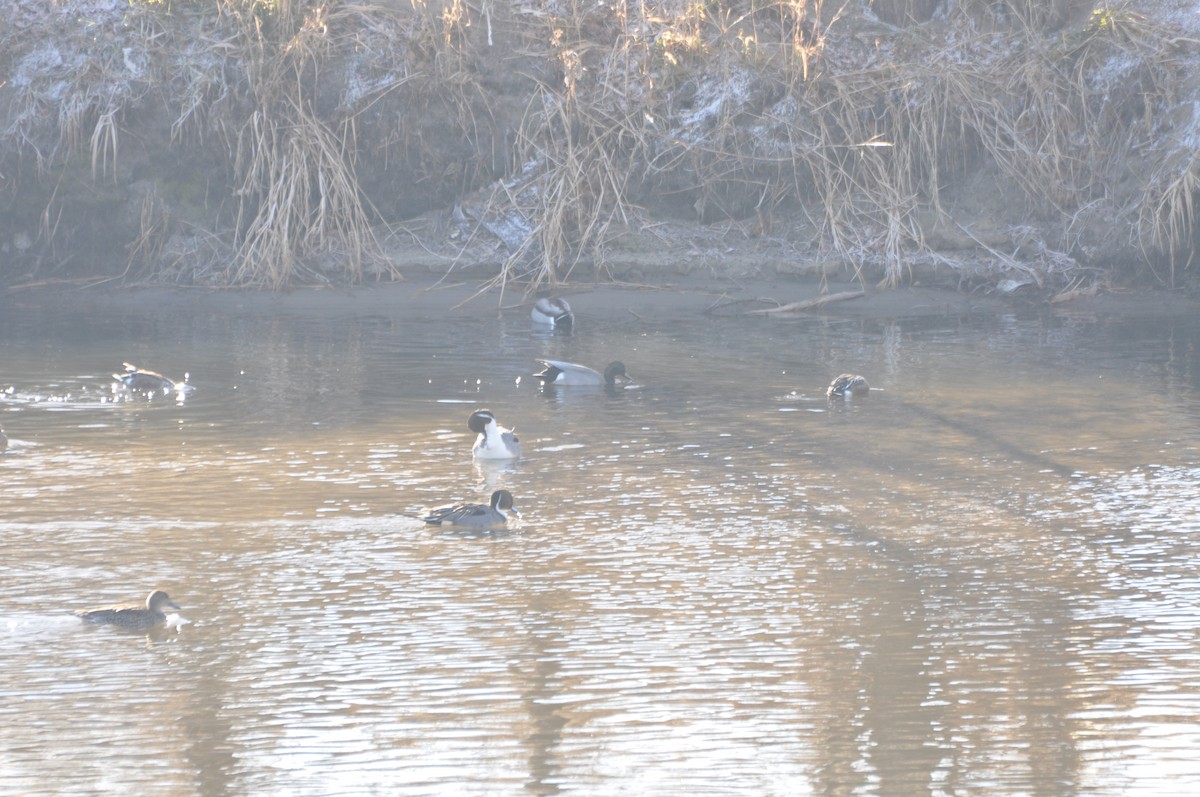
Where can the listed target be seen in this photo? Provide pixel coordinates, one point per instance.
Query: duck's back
(557, 372)
(123, 616)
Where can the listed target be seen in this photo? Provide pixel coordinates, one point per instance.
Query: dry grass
(778, 112)
(297, 194)
(1168, 217)
(153, 224)
(720, 110)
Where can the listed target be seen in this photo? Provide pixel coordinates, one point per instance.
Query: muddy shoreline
(674, 296)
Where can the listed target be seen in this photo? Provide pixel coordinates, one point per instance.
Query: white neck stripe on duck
(493, 441)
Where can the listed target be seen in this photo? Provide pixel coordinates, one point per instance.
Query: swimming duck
(138, 380)
(556, 372)
(553, 312)
(848, 386)
(477, 515)
(132, 615)
(494, 441)
(3, 440)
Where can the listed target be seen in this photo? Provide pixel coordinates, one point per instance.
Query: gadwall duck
(494, 441)
(556, 372)
(552, 312)
(132, 615)
(848, 386)
(475, 515)
(149, 383)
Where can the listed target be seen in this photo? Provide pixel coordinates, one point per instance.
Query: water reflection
(979, 581)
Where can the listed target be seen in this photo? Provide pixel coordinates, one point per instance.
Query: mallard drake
(149, 383)
(553, 312)
(494, 441)
(848, 386)
(132, 615)
(476, 515)
(556, 372)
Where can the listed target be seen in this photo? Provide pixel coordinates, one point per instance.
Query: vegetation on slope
(269, 142)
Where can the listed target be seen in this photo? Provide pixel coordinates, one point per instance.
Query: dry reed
(724, 111)
(775, 111)
(297, 193)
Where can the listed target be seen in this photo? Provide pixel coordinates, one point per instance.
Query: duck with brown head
(133, 615)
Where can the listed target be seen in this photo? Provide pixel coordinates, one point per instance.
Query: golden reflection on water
(980, 580)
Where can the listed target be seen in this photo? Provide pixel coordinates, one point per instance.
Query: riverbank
(1026, 147)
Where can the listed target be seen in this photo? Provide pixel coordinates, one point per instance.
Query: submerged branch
(808, 304)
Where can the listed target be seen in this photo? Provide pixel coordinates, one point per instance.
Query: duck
(3, 441)
(556, 372)
(476, 515)
(139, 380)
(132, 615)
(552, 312)
(848, 386)
(494, 441)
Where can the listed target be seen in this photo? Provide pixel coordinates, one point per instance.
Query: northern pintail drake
(150, 383)
(556, 372)
(848, 386)
(552, 312)
(476, 515)
(132, 615)
(494, 441)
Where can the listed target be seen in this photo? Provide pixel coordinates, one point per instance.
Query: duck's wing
(845, 384)
(96, 615)
(437, 516)
(454, 514)
(114, 615)
(574, 373)
(131, 370)
(549, 371)
(139, 379)
(562, 365)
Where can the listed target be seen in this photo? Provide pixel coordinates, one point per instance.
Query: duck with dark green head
(556, 373)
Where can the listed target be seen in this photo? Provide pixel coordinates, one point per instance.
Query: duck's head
(614, 372)
(503, 501)
(158, 601)
(479, 420)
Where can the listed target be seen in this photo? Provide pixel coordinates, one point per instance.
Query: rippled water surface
(981, 580)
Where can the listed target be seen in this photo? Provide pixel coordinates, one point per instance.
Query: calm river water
(981, 580)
